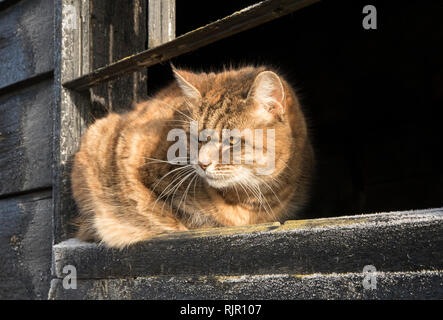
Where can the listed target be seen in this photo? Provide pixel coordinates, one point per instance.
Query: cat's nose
(203, 165)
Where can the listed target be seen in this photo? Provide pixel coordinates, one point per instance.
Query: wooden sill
(395, 242)
(390, 285)
(319, 255)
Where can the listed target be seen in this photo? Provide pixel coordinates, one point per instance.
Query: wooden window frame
(74, 78)
(295, 258)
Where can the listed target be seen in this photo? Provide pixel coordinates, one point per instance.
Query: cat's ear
(190, 92)
(268, 94)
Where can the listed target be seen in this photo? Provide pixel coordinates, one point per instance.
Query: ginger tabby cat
(128, 190)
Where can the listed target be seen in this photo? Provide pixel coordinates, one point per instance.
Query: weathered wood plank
(402, 285)
(25, 138)
(161, 22)
(239, 21)
(4, 4)
(117, 29)
(26, 40)
(392, 242)
(90, 34)
(161, 27)
(25, 246)
(72, 111)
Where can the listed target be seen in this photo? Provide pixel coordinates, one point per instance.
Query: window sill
(321, 256)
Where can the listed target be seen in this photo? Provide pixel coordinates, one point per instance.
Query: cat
(127, 189)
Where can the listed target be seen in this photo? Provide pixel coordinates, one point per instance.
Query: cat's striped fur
(126, 191)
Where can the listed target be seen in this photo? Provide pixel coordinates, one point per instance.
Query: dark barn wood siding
(26, 108)
(114, 23)
(25, 138)
(105, 27)
(25, 246)
(26, 40)
(42, 121)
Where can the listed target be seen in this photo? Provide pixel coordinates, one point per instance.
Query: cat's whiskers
(288, 167)
(262, 199)
(195, 184)
(182, 120)
(186, 191)
(236, 191)
(178, 186)
(153, 160)
(165, 190)
(270, 188)
(177, 123)
(168, 173)
(167, 185)
(175, 109)
(244, 189)
(247, 187)
(255, 193)
(175, 126)
(172, 187)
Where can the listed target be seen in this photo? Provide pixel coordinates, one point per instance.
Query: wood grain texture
(109, 31)
(26, 40)
(334, 245)
(117, 29)
(237, 22)
(72, 110)
(161, 22)
(25, 246)
(401, 285)
(26, 138)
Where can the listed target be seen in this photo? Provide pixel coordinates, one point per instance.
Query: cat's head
(240, 118)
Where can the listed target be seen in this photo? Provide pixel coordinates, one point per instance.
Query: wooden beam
(393, 242)
(416, 285)
(89, 34)
(72, 111)
(237, 22)
(161, 22)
